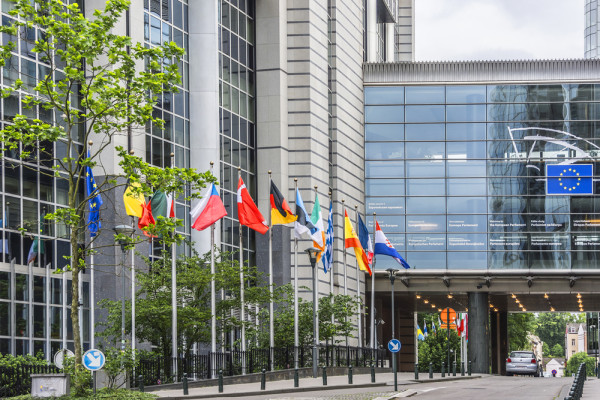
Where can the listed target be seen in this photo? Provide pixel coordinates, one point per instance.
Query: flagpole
(242, 302)
(92, 298)
(316, 282)
(271, 324)
(213, 297)
(331, 265)
(296, 341)
(358, 289)
(344, 259)
(373, 344)
(173, 294)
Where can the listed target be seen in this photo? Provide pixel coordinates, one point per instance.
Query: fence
(156, 370)
(16, 380)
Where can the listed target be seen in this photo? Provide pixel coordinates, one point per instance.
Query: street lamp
(123, 230)
(392, 275)
(312, 256)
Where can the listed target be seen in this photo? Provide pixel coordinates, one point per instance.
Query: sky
(498, 29)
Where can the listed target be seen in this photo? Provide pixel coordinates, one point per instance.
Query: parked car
(522, 363)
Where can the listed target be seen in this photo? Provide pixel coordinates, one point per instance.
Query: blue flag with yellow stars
(574, 179)
(94, 201)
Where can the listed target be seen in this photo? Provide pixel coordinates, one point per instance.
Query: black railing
(155, 370)
(16, 381)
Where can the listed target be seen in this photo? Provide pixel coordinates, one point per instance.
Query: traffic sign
(61, 355)
(93, 359)
(394, 345)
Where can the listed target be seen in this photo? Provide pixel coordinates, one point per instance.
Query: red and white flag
(209, 210)
(170, 206)
(248, 213)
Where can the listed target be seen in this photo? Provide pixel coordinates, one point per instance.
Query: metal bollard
(454, 368)
(185, 384)
(324, 376)
(462, 368)
(220, 381)
(372, 373)
(469, 369)
(350, 374)
(430, 370)
(141, 383)
(443, 369)
(296, 383)
(263, 379)
(416, 371)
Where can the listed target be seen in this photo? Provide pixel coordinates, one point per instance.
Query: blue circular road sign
(394, 345)
(93, 359)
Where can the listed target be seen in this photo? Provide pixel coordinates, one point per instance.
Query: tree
(95, 89)
(550, 327)
(519, 325)
(557, 351)
(576, 359)
(434, 349)
(336, 313)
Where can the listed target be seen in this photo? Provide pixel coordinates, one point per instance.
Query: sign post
(93, 360)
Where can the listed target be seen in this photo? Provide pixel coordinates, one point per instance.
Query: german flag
(280, 210)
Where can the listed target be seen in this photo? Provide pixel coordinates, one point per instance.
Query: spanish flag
(353, 241)
(280, 210)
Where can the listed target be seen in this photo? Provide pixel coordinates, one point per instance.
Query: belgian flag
(280, 210)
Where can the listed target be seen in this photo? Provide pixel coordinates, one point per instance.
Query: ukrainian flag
(574, 179)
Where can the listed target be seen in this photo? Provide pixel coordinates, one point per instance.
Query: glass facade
(457, 174)
(237, 117)
(591, 28)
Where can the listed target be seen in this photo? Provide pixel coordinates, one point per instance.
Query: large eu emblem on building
(572, 179)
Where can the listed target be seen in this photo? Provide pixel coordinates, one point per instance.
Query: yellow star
(570, 169)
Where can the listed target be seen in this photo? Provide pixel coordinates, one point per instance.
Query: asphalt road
(488, 388)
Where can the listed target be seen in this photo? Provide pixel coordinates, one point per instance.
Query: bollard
(296, 377)
(469, 368)
(263, 379)
(350, 374)
(462, 368)
(220, 381)
(372, 373)
(141, 383)
(454, 368)
(416, 371)
(430, 370)
(443, 369)
(324, 376)
(184, 382)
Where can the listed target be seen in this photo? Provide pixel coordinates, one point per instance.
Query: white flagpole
(316, 283)
(133, 295)
(296, 341)
(344, 247)
(373, 344)
(331, 265)
(358, 288)
(271, 324)
(92, 298)
(213, 298)
(174, 295)
(242, 302)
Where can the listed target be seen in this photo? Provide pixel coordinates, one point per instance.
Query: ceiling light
(514, 296)
(552, 309)
(433, 306)
(439, 309)
(524, 309)
(418, 296)
(545, 295)
(495, 309)
(578, 295)
(426, 301)
(449, 295)
(517, 301)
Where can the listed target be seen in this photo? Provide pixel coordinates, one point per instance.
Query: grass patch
(100, 394)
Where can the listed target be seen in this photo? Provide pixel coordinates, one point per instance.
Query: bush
(578, 358)
(117, 394)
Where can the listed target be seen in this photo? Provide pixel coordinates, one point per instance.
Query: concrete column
(371, 30)
(390, 42)
(478, 346)
(499, 341)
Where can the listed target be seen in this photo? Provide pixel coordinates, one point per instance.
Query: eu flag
(94, 201)
(573, 179)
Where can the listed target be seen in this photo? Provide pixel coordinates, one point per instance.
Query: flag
(572, 179)
(439, 322)
(352, 241)
(159, 205)
(94, 201)
(420, 335)
(365, 239)
(302, 224)
(425, 329)
(134, 202)
(248, 213)
(170, 206)
(209, 210)
(146, 219)
(318, 234)
(433, 328)
(465, 326)
(36, 247)
(459, 324)
(281, 213)
(328, 256)
(384, 246)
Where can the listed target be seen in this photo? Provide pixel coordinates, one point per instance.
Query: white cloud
(498, 30)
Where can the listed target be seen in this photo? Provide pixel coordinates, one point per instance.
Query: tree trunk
(75, 251)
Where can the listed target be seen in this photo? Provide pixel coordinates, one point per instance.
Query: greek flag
(328, 255)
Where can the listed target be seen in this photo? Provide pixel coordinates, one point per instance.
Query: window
(573, 343)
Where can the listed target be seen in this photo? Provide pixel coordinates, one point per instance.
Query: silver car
(522, 363)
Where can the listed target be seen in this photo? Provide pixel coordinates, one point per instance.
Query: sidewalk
(591, 389)
(305, 384)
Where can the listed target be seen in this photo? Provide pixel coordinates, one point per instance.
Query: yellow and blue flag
(94, 201)
(420, 335)
(574, 179)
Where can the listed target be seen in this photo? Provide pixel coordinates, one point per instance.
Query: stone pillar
(390, 42)
(371, 30)
(478, 344)
(499, 341)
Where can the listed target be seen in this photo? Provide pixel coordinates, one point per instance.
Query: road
(488, 388)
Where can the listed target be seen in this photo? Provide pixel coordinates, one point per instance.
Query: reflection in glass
(384, 114)
(424, 114)
(425, 223)
(467, 223)
(383, 151)
(4, 318)
(425, 242)
(384, 95)
(385, 205)
(385, 187)
(425, 187)
(467, 260)
(467, 205)
(508, 260)
(384, 169)
(465, 94)
(426, 260)
(425, 131)
(21, 319)
(424, 205)
(426, 169)
(426, 150)
(392, 132)
(425, 94)
(466, 113)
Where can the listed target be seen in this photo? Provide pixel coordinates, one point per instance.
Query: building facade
(591, 37)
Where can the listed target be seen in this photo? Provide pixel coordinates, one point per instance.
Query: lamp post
(312, 256)
(124, 230)
(392, 275)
